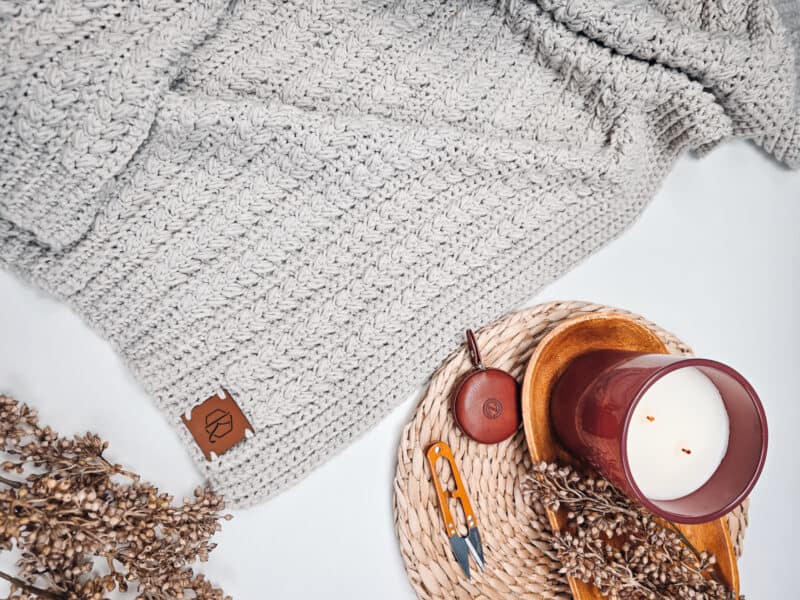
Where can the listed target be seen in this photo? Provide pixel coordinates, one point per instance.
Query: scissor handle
(435, 452)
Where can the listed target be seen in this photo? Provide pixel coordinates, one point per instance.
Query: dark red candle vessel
(591, 407)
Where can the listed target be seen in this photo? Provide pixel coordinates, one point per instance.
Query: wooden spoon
(601, 331)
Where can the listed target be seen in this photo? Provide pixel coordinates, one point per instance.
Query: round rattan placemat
(519, 562)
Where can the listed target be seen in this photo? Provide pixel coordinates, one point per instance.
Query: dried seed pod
(617, 545)
(73, 507)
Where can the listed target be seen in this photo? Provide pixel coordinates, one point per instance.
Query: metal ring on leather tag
(485, 405)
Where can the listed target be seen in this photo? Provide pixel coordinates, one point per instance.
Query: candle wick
(651, 419)
(686, 451)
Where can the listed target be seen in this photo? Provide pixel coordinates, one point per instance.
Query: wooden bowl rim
(545, 343)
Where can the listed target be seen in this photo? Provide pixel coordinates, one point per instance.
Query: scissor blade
(475, 547)
(459, 546)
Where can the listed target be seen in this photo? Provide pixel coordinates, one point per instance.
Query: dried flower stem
(39, 592)
(10, 483)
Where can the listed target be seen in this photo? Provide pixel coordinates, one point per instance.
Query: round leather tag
(485, 405)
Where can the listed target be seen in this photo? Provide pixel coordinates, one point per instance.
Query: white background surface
(715, 259)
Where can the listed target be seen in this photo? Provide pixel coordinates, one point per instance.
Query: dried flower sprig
(85, 527)
(618, 546)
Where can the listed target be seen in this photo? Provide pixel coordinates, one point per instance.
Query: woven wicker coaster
(519, 564)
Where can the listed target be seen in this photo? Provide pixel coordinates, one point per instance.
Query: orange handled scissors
(470, 543)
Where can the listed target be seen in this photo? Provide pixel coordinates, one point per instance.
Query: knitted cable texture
(307, 202)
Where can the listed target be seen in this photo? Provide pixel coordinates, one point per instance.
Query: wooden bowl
(601, 331)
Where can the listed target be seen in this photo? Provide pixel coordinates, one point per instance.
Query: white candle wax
(678, 435)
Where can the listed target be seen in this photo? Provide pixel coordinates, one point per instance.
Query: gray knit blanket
(307, 202)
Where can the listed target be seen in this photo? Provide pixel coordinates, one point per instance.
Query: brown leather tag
(217, 424)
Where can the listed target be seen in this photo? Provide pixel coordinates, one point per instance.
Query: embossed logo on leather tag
(492, 408)
(217, 425)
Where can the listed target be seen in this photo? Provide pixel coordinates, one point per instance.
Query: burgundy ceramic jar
(591, 408)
